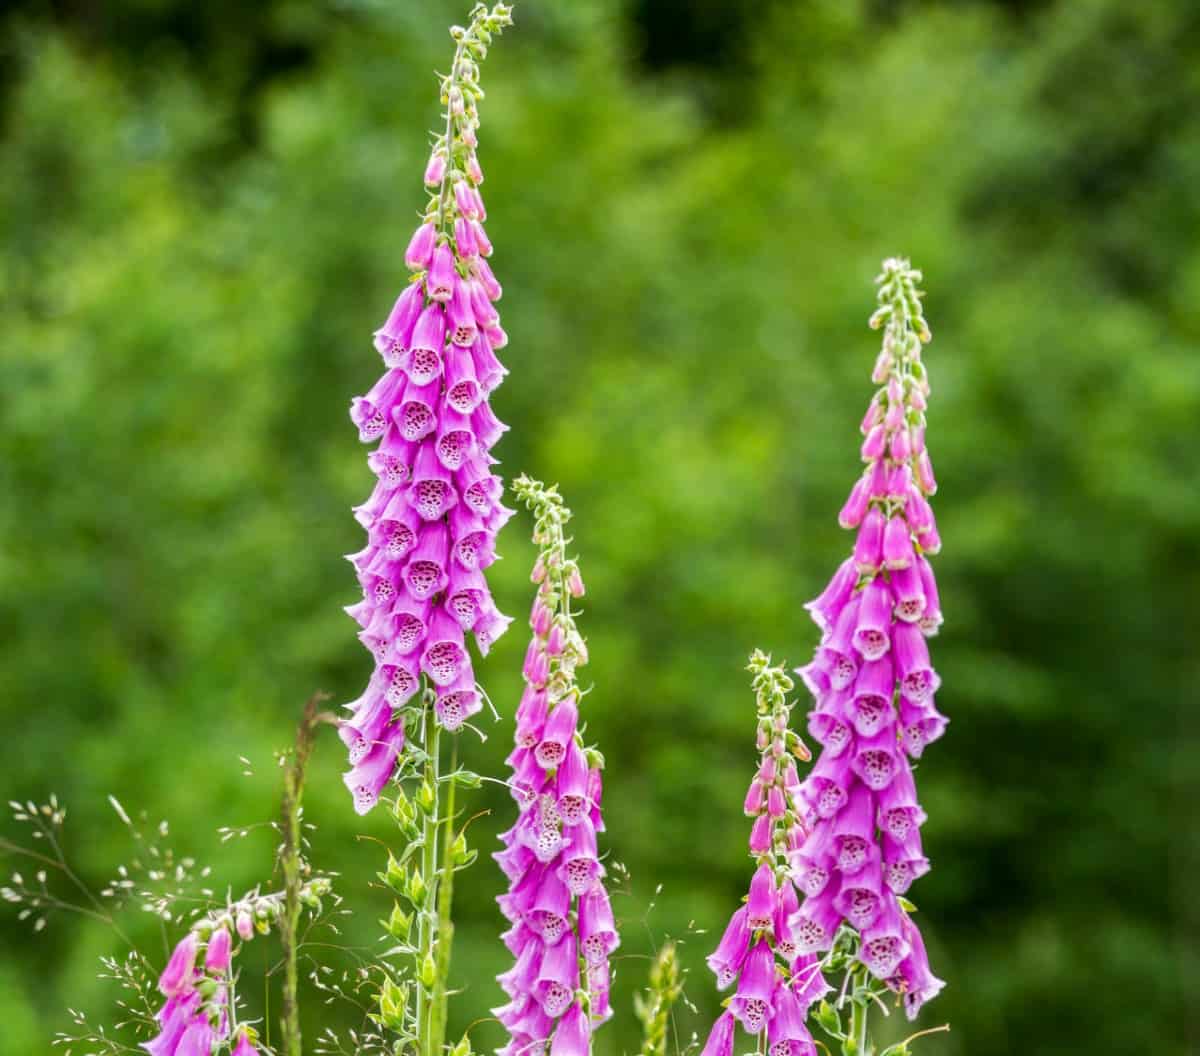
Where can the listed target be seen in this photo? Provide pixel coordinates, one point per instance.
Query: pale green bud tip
(428, 972)
(900, 300)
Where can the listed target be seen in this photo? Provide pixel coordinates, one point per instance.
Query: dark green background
(204, 209)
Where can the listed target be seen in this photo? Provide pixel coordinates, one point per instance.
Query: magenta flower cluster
(433, 517)
(562, 930)
(776, 980)
(871, 677)
(196, 1019)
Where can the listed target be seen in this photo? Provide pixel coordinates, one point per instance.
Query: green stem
(856, 1043)
(292, 864)
(445, 923)
(858, 1027)
(427, 929)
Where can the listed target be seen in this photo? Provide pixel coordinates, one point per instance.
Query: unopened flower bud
(435, 170)
(219, 954)
(428, 972)
(245, 925)
(417, 891)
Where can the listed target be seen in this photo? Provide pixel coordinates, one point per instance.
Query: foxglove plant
(199, 1013)
(774, 981)
(873, 689)
(432, 519)
(562, 929)
(431, 527)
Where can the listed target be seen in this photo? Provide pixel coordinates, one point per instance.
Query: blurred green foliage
(204, 209)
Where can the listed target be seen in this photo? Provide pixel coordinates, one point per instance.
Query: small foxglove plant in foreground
(873, 690)
(776, 983)
(200, 1013)
(192, 1007)
(562, 922)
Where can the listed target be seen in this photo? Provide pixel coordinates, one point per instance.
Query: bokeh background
(204, 209)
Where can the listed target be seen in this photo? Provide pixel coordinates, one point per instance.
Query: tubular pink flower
(391, 339)
(868, 544)
(908, 593)
(871, 636)
(558, 977)
(435, 170)
(813, 862)
(580, 868)
(752, 1003)
(824, 609)
(458, 701)
(855, 508)
(571, 787)
(787, 904)
(559, 731)
(573, 1037)
(461, 324)
(197, 1039)
(465, 242)
(367, 779)
(420, 247)
(859, 898)
(720, 1038)
(761, 833)
(522, 977)
(787, 1035)
(871, 705)
(220, 951)
(931, 614)
(903, 861)
(727, 959)
(913, 979)
(245, 925)
(441, 279)
(816, 922)
(173, 1019)
(827, 787)
(885, 941)
(180, 972)
(597, 931)
(808, 982)
(760, 907)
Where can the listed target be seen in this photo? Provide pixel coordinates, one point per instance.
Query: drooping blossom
(431, 521)
(871, 679)
(773, 982)
(562, 929)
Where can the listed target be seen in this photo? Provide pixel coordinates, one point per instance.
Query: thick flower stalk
(774, 982)
(432, 519)
(873, 688)
(562, 929)
(199, 1014)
